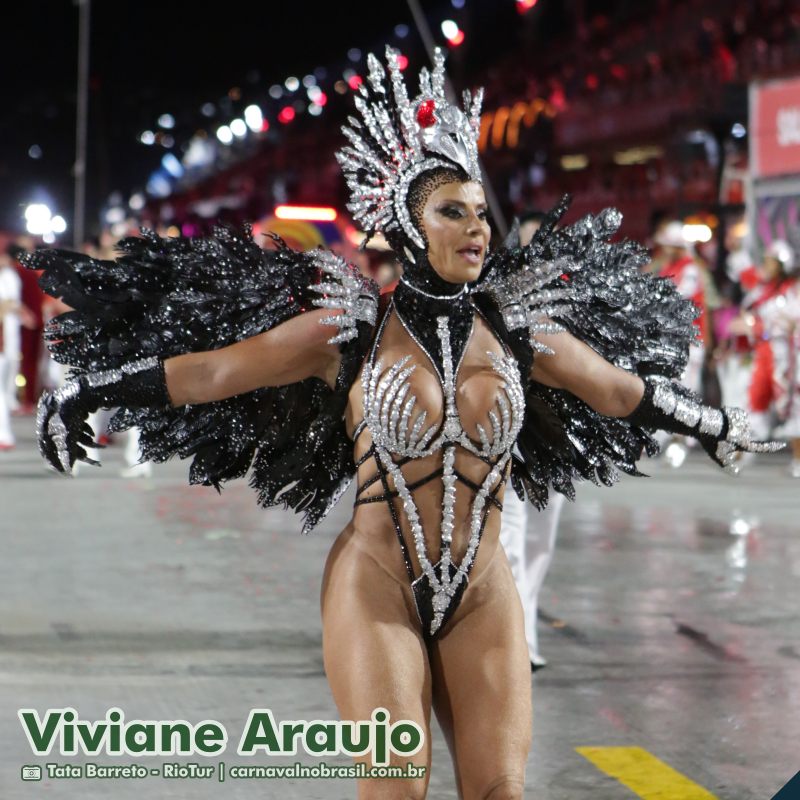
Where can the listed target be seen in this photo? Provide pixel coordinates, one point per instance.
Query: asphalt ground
(669, 620)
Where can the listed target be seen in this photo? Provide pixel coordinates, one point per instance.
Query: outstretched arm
(290, 352)
(574, 366)
(654, 403)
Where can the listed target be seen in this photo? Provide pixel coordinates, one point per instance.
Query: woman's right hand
(61, 427)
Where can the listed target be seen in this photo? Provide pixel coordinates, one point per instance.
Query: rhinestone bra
(398, 428)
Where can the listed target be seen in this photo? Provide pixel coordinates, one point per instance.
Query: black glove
(668, 406)
(61, 425)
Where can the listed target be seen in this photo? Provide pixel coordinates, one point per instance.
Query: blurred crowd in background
(649, 109)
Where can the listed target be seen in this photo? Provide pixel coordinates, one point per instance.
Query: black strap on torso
(389, 495)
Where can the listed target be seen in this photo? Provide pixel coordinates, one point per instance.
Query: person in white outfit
(10, 307)
(529, 540)
(528, 536)
(135, 467)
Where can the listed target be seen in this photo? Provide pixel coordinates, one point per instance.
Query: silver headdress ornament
(398, 139)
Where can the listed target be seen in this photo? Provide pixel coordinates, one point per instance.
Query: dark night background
(148, 58)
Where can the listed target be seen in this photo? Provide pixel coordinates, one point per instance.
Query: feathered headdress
(398, 139)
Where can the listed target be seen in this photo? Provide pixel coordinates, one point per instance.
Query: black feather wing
(169, 296)
(574, 277)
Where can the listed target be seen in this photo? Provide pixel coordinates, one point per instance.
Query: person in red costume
(33, 299)
(771, 322)
(676, 262)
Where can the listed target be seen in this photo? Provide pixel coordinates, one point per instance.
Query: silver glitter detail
(58, 433)
(384, 394)
(416, 289)
(711, 420)
(97, 379)
(687, 412)
(346, 289)
(42, 408)
(741, 436)
(378, 410)
(664, 398)
(511, 405)
(388, 147)
(674, 400)
(738, 425)
(526, 303)
(726, 454)
(332, 501)
(55, 426)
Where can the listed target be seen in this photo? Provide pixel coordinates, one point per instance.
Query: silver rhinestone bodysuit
(399, 431)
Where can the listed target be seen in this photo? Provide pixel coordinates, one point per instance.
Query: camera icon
(31, 773)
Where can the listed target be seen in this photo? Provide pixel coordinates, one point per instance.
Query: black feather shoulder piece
(574, 279)
(168, 296)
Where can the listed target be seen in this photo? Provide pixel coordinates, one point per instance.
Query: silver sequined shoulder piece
(344, 287)
(541, 288)
(530, 297)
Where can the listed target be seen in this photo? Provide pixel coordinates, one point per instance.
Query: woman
(423, 399)
(771, 323)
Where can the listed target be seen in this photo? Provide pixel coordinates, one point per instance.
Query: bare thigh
(375, 657)
(482, 687)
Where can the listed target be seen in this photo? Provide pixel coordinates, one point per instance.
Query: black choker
(419, 309)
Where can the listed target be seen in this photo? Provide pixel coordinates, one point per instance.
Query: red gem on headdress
(425, 114)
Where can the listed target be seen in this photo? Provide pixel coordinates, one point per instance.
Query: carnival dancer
(771, 323)
(679, 265)
(734, 352)
(215, 349)
(676, 262)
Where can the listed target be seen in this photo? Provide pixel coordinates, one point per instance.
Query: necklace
(434, 296)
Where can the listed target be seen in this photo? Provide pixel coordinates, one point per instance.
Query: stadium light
(254, 117)
(238, 127)
(452, 32)
(308, 213)
(449, 29)
(697, 233)
(39, 221)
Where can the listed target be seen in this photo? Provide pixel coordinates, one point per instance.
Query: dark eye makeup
(456, 212)
(451, 212)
